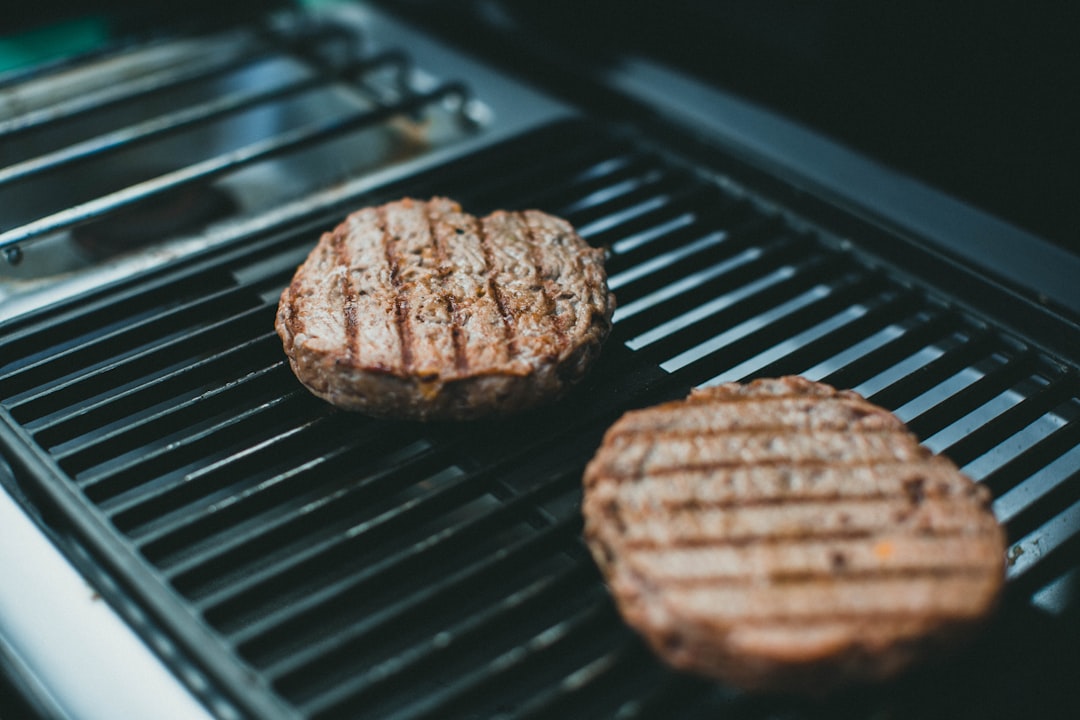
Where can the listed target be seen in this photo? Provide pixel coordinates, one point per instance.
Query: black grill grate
(346, 567)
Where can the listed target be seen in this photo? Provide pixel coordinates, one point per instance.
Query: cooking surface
(361, 567)
(291, 560)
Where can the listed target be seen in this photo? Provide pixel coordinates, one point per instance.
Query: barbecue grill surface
(307, 562)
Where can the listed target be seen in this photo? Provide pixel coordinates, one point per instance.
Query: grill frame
(911, 271)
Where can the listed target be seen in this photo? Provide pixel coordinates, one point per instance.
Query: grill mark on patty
(665, 434)
(796, 580)
(806, 621)
(348, 294)
(400, 302)
(804, 473)
(818, 514)
(706, 467)
(792, 580)
(744, 399)
(854, 599)
(890, 548)
(769, 414)
(457, 323)
(663, 454)
(794, 538)
(779, 481)
(496, 291)
(694, 503)
(782, 387)
(549, 306)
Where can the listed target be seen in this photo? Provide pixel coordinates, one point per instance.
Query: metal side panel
(68, 649)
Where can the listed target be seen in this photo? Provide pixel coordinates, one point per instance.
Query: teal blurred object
(53, 42)
(45, 41)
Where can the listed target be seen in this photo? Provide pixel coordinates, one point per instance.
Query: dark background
(979, 99)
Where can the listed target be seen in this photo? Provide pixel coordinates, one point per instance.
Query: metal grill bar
(358, 690)
(259, 641)
(736, 245)
(926, 328)
(1008, 476)
(303, 614)
(594, 619)
(150, 347)
(192, 116)
(229, 53)
(288, 141)
(62, 428)
(415, 510)
(763, 331)
(586, 689)
(190, 531)
(1047, 551)
(669, 694)
(659, 302)
(1020, 417)
(478, 185)
(198, 571)
(783, 355)
(1051, 487)
(972, 397)
(881, 311)
(83, 322)
(135, 434)
(971, 348)
(203, 68)
(162, 500)
(1028, 420)
(129, 470)
(146, 353)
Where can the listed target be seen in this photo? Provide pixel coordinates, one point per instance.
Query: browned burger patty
(417, 310)
(786, 536)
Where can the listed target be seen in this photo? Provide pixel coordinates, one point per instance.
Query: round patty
(417, 310)
(786, 536)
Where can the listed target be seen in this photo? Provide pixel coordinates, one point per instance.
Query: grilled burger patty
(786, 536)
(417, 310)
